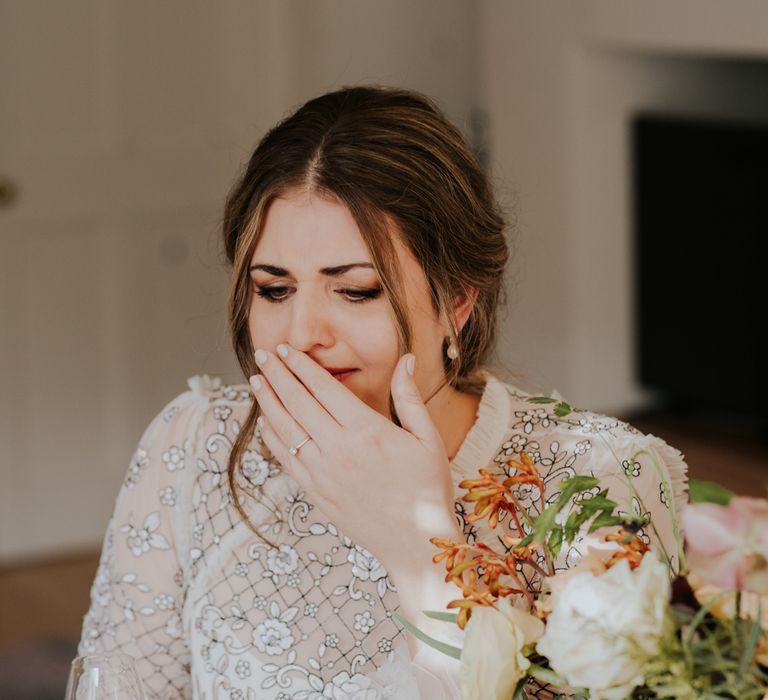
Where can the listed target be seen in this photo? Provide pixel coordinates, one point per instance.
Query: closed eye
(276, 295)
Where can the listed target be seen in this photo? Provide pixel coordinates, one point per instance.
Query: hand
(387, 488)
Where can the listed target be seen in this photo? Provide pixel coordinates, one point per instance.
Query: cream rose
(603, 629)
(492, 659)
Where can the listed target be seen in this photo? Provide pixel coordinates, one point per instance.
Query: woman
(265, 535)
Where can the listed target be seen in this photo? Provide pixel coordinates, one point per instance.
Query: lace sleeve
(645, 476)
(138, 594)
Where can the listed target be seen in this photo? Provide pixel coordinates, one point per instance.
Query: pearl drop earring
(453, 350)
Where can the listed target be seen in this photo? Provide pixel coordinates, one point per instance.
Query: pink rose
(727, 546)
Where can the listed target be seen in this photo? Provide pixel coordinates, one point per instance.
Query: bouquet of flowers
(618, 625)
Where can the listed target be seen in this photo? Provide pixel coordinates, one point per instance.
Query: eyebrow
(328, 271)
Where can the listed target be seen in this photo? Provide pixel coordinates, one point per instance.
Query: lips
(342, 374)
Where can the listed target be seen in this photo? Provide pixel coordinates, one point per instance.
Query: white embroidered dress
(210, 611)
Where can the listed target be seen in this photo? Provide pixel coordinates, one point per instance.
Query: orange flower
(462, 565)
(526, 472)
(491, 497)
(632, 548)
(480, 572)
(464, 562)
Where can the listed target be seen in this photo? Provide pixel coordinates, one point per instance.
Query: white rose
(592, 562)
(603, 629)
(492, 661)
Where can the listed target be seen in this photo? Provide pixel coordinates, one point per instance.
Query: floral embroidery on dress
(273, 636)
(141, 540)
(281, 561)
(138, 463)
(212, 610)
(167, 496)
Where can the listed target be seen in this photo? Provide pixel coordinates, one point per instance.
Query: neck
(453, 413)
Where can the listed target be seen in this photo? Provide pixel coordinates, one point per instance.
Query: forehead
(304, 230)
(309, 226)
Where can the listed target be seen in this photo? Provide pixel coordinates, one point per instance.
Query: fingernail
(255, 382)
(261, 356)
(409, 363)
(260, 421)
(282, 350)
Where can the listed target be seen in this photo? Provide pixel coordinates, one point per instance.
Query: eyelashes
(277, 295)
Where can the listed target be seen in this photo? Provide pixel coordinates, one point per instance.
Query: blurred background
(627, 142)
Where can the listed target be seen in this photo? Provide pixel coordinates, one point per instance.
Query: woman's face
(315, 288)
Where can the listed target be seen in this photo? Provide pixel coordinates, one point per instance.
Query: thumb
(409, 405)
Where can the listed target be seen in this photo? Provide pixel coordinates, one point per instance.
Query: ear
(462, 307)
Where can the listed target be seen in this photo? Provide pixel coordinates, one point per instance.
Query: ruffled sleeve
(138, 594)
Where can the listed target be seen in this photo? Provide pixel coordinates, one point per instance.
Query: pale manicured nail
(409, 363)
(255, 382)
(282, 350)
(261, 356)
(260, 421)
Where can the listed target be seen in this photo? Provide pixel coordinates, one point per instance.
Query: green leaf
(544, 523)
(562, 409)
(576, 484)
(597, 503)
(708, 492)
(547, 675)
(604, 520)
(541, 399)
(526, 540)
(749, 650)
(572, 526)
(546, 520)
(699, 616)
(440, 615)
(520, 693)
(447, 649)
(555, 541)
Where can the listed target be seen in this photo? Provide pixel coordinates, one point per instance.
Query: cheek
(263, 328)
(376, 348)
(375, 343)
(253, 327)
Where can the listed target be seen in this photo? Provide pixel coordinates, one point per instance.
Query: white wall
(159, 114)
(560, 82)
(123, 135)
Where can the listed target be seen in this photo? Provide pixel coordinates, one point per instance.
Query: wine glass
(110, 676)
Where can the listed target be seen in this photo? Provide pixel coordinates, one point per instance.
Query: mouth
(342, 374)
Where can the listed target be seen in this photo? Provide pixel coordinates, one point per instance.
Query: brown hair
(391, 157)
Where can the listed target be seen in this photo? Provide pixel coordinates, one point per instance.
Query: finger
(285, 426)
(339, 400)
(296, 399)
(292, 465)
(410, 407)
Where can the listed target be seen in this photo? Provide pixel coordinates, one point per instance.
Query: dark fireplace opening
(700, 200)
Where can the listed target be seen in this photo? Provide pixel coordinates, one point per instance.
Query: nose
(309, 324)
